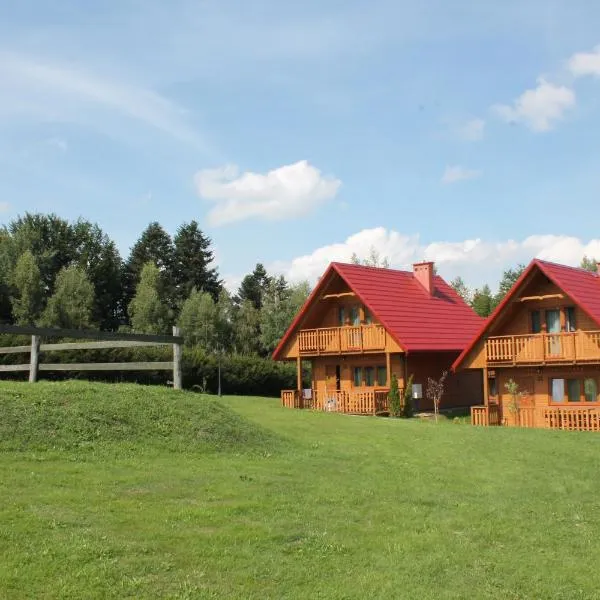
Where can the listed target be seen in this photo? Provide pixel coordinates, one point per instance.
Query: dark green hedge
(240, 375)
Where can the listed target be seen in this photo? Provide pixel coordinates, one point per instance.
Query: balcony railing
(339, 340)
(356, 402)
(541, 348)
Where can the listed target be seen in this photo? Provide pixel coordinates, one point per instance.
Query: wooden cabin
(545, 338)
(361, 325)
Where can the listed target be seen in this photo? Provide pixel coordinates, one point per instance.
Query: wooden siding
(464, 388)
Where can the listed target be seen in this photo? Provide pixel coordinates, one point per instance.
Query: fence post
(177, 374)
(34, 361)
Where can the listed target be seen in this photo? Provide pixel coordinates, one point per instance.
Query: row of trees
(70, 274)
(484, 301)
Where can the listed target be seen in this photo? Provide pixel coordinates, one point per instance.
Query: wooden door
(553, 329)
(332, 377)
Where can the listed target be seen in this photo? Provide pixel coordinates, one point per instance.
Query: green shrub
(408, 407)
(240, 375)
(394, 398)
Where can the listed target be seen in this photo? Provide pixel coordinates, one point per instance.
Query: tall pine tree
(155, 246)
(483, 301)
(253, 286)
(509, 278)
(192, 263)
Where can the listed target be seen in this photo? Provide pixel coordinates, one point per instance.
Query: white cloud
(5, 207)
(58, 92)
(457, 173)
(472, 131)
(539, 108)
(289, 191)
(58, 143)
(585, 63)
(476, 260)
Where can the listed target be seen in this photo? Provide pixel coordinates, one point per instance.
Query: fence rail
(356, 402)
(485, 416)
(107, 340)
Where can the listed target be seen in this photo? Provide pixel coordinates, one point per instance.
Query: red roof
(581, 285)
(417, 320)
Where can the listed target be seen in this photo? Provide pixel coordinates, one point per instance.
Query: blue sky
(296, 133)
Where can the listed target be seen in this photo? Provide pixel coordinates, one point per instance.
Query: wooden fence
(356, 402)
(104, 340)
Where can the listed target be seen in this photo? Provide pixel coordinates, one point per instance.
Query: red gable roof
(582, 286)
(417, 320)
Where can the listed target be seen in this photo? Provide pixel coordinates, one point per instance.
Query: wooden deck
(553, 417)
(359, 402)
(342, 340)
(581, 347)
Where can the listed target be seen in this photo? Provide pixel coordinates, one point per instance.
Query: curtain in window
(357, 376)
(381, 376)
(590, 388)
(370, 376)
(558, 390)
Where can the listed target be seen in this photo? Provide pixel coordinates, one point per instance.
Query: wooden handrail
(565, 346)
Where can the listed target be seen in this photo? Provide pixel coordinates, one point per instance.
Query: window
(341, 316)
(368, 317)
(573, 390)
(590, 388)
(355, 316)
(557, 389)
(369, 376)
(358, 376)
(570, 318)
(536, 321)
(381, 376)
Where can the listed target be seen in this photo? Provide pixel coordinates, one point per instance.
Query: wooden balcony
(342, 340)
(544, 348)
(355, 402)
(576, 418)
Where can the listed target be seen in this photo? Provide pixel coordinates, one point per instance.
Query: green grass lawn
(131, 492)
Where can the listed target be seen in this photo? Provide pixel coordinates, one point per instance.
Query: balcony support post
(388, 370)
(299, 381)
(486, 390)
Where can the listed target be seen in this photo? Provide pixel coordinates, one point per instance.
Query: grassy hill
(86, 416)
(275, 503)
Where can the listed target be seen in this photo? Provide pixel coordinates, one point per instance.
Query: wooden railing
(572, 418)
(103, 340)
(336, 340)
(357, 402)
(576, 346)
(485, 416)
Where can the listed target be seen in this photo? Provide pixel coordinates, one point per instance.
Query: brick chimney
(423, 273)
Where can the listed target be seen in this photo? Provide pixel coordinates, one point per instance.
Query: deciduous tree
(72, 303)
(148, 310)
(28, 290)
(461, 288)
